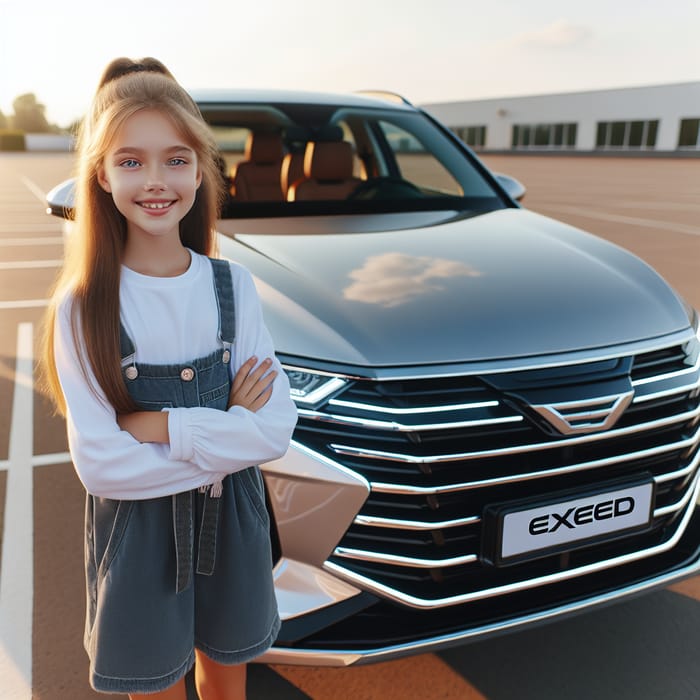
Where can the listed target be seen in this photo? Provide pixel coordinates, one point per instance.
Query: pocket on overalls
(110, 519)
(215, 398)
(253, 486)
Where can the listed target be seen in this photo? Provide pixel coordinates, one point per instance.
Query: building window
(544, 136)
(689, 134)
(474, 136)
(632, 134)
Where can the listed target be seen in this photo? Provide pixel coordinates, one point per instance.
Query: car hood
(504, 284)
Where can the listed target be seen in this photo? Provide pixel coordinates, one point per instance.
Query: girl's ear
(102, 179)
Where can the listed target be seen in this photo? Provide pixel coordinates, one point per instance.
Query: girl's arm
(251, 389)
(109, 461)
(238, 438)
(145, 426)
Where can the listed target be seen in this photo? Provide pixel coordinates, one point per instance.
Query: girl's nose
(154, 178)
(153, 185)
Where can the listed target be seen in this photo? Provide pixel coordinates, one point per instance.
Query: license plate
(527, 530)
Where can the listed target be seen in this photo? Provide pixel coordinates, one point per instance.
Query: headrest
(263, 147)
(328, 161)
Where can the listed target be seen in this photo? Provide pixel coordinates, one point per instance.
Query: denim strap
(223, 286)
(183, 527)
(126, 345)
(183, 516)
(208, 528)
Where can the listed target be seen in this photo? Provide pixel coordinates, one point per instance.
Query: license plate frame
(595, 515)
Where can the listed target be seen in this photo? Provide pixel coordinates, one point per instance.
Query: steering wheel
(385, 188)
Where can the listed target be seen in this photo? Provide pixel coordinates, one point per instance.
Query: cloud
(394, 278)
(560, 34)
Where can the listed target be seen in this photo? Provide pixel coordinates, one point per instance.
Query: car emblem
(585, 416)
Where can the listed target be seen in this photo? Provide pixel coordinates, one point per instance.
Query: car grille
(437, 451)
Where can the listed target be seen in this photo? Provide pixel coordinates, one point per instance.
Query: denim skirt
(140, 632)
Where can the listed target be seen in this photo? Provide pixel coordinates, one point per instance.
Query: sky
(437, 51)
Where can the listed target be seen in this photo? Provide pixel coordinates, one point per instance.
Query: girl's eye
(177, 161)
(129, 163)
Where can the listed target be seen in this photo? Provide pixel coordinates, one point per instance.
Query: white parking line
(34, 188)
(29, 264)
(51, 459)
(23, 304)
(618, 219)
(17, 567)
(45, 240)
(47, 226)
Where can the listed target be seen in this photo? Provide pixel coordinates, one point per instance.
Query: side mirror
(514, 188)
(60, 200)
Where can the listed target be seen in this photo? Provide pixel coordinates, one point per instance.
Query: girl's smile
(156, 208)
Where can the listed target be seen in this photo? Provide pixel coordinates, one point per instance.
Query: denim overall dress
(166, 575)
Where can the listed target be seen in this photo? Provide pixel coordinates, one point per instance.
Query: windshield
(289, 159)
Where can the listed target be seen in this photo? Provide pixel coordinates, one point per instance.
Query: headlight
(308, 388)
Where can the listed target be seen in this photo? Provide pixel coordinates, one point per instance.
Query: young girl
(160, 361)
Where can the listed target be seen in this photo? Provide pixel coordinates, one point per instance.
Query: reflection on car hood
(505, 284)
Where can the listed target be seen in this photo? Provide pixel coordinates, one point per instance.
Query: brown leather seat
(257, 177)
(328, 168)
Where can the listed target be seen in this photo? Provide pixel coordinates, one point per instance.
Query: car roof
(375, 99)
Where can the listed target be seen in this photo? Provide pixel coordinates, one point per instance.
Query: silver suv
(498, 413)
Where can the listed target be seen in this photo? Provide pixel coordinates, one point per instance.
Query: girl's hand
(145, 426)
(252, 387)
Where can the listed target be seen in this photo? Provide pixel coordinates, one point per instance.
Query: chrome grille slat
(373, 408)
(398, 524)
(673, 507)
(643, 398)
(349, 450)
(679, 473)
(364, 555)
(380, 487)
(402, 427)
(669, 375)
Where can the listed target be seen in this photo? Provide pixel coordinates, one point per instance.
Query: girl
(145, 353)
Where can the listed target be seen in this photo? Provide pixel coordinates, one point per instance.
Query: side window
(416, 164)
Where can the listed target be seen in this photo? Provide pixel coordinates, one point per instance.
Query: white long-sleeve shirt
(173, 320)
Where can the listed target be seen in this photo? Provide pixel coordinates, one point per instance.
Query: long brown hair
(92, 268)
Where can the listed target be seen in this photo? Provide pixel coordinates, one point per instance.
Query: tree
(29, 115)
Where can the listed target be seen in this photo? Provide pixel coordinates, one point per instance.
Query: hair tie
(124, 66)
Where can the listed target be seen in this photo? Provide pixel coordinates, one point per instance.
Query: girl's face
(152, 175)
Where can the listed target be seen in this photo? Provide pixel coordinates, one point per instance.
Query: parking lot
(643, 648)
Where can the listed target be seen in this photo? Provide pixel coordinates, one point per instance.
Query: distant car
(499, 413)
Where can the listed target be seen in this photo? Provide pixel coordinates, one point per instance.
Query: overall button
(226, 357)
(131, 372)
(187, 374)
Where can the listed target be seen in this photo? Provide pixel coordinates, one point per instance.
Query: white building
(659, 118)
